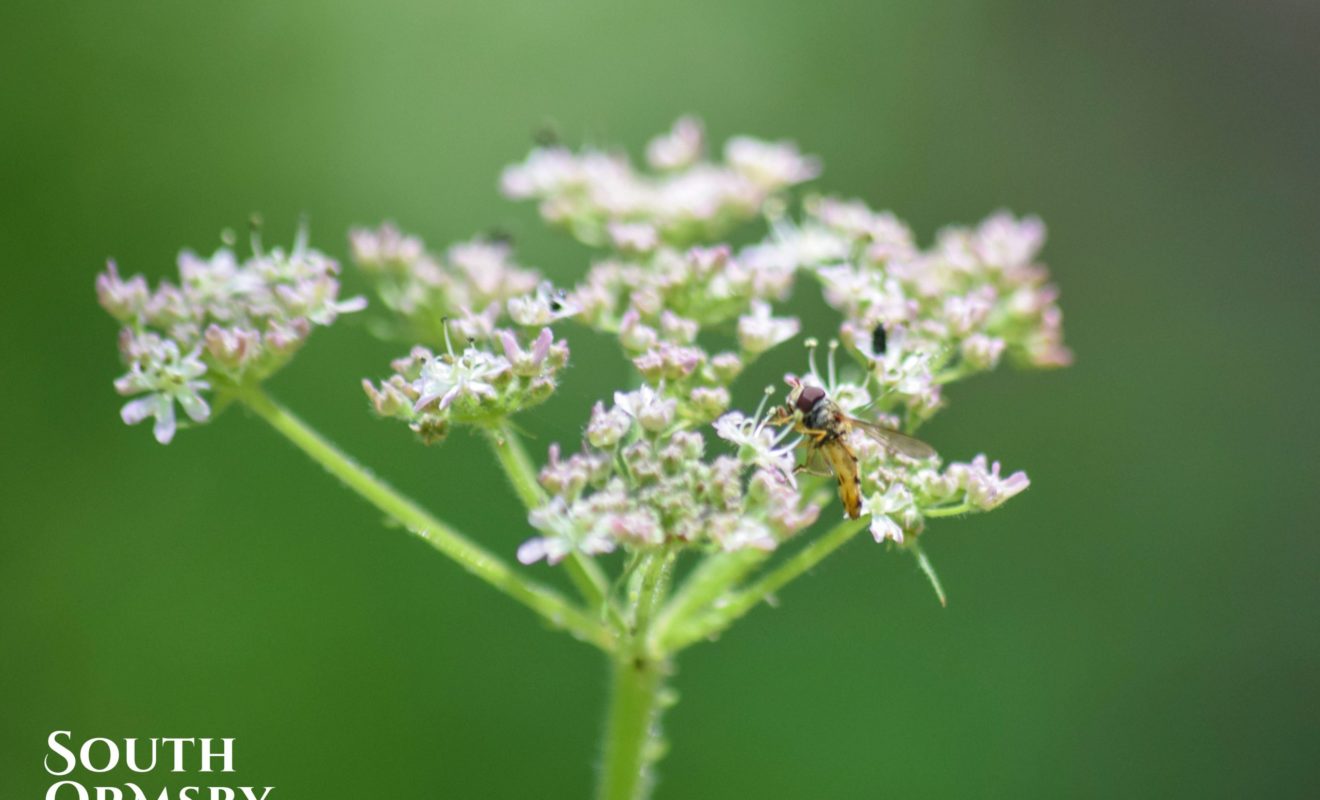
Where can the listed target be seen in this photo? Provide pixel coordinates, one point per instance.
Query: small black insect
(499, 236)
(878, 340)
(547, 135)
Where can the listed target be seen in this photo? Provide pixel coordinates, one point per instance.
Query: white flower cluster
(224, 324)
(913, 320)
(689, 312)
(898, 491)
(640, 483)
(474, 387)
(470, 293)
(601, 196)
(469, 288)
(918, 319)
(659, 303)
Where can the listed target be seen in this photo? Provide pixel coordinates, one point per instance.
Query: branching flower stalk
(694, 493)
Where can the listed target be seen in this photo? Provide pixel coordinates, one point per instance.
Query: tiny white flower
(167, 377)
(985, 488)
(639, 237)
(448, 378)
(526, 362)
(677, 148)
(759, 331)
(771, 164)
(653, 412)
(1002, 241)
(607, 428)
(758, 444)
(543, 307)
(896, 500)
(563, 535)
(745, 534)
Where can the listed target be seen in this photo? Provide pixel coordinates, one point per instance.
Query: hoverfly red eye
(809, 397)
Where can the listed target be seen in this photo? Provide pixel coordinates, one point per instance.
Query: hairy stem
(632, 728)
(549, 604)
(521, 472)
(740, 603)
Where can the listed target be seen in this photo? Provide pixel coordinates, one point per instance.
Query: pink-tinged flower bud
(981, 351)
(773, 165)
(633, 237)
(125, 300)
(678, 329)
(678, 148)
(633, 334)
(709, 401)
(286, 337)
(725, 367)
(607, 428)
(653, 412)
(232, 348)
(430, 430)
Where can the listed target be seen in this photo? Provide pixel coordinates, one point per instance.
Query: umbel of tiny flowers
(669, 468)
(225, 323)
(426, 295)
(600, 196)
(475, 386)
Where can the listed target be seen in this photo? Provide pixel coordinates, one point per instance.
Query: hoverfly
(826, 427)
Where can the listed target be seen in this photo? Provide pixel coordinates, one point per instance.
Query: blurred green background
(1142, 622)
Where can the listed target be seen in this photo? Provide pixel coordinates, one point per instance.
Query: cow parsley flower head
(475, 386)
(673, 473)
(427, 294)
(686, 198)
(658, 490)
(226, 323)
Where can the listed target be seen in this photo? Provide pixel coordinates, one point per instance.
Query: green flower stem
(585, 573)
(632, 728)
(742, 602)
(946, 511)
(632, 742)
(654, 589)
(714, 576)
(924, 562)
(546, 602)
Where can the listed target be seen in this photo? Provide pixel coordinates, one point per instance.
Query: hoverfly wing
(892, 439)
